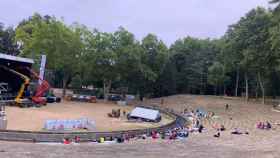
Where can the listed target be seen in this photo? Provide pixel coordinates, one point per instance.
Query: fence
(29, 136)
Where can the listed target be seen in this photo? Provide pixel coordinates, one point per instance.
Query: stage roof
(15, 58)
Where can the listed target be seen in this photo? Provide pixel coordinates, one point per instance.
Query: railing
(35, 136)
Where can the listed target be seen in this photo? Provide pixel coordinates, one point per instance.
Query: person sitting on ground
(210, 114)
(222, 128)
(186, 111)
(124, 113)
(158, 135)
(173, 135)
(268, 125)
(192, 113)
(162, 135)
(236, 131)
(144, 136)
(185, 133)
(197, 123)
(119, 139)
(111, 138)
(198, 113)
(77, 139)
(217, 135)
(260, 125)
(154, 135)
(200, 128)
(66, 141)
(227, 107)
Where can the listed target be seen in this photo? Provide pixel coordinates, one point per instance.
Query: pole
(42, 68)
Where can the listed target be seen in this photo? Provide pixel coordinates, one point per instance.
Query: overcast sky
(168, 19)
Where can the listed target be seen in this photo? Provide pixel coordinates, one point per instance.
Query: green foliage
(7, 41)
(49, 36)
(191, 58)
(246, 58)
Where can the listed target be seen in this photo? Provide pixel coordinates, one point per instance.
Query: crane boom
(41, 89)
(23, 85)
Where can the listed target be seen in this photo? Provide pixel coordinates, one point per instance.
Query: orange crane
(41, 89)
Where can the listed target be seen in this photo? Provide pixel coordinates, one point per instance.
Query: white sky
(168, 19)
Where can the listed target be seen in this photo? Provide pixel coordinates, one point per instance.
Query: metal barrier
(35, 136)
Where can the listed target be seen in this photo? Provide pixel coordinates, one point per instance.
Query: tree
(103, 60)
(61, 44)
(154, 55)
(192, 57)
(216, 76)
(250, 37)
(246, 57)
(128, 52)
(275, 2)
(222, 65)
(7, 41)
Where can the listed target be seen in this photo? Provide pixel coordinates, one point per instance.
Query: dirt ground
(240, 115)
(33, 118)
(258, 144)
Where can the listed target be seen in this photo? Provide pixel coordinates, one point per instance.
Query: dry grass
(258, 144)
(244, 116)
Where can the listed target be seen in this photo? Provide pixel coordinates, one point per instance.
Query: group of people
(172, 134)
(180, 132)
(198, 113)
(219, 128)
(235, 131)
(264, 125)
(76, 139)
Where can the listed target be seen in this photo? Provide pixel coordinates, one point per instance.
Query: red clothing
(66, 142)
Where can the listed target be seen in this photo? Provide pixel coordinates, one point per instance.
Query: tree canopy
(244, 61)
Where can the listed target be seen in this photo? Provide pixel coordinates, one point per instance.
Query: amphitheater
(33, 119)
(258, 144)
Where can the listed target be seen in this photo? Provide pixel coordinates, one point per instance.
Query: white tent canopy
(144, 113)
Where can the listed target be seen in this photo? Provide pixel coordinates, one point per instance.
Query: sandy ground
(33, 118)
(194, 147)
(258, 144)
(240, 114)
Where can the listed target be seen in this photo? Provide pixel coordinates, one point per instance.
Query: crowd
(264, 125)
(181, 132)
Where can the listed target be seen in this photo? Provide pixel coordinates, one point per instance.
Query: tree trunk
(64, 91)
(224, 85)
(225, 90)
(216, 88)
(66, 82)
(104, 91)
(247, 87)
(106, 88)
(262, 87)
(257, 88)
(237, 82)
(64, 88)
(201, 84)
